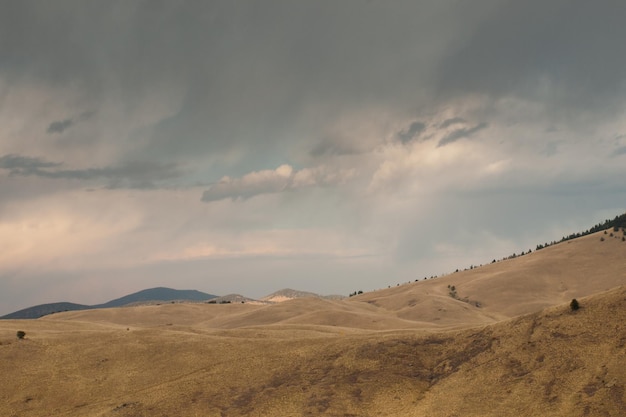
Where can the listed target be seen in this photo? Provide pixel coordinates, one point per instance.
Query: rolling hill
(287, 294)
(505, 289)
(499, 340)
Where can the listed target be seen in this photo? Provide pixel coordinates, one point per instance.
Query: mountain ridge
(150, 294)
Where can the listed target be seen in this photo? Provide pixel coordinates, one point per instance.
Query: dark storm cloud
(563, 53)
(256, 74)
(272, 71)
(551, 149)
(412, 132)
(129, 175)
(461, 133)
(619, 151)
(24, 165)
(329, 147)
(451, 121)
(282, 67)
(234, 87)
(61, 125)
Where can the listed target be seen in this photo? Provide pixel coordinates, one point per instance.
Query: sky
(326, 146)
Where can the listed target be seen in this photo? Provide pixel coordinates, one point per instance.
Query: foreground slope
(555, 362)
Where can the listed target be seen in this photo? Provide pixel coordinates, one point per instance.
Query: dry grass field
(504, 344)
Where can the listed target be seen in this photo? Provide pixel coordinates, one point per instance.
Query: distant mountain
(44, 309)
(334, 297)
(152, 294)
(231, 298)
(289, 294)
(157, 294)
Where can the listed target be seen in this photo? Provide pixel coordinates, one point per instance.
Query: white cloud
(283, 178)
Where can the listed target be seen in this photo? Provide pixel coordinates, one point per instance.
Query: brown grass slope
(484, 295)
(510, 288)
(378, 354)
(555, 362)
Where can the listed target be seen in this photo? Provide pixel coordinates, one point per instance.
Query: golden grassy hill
(412, 350)
(547, 277)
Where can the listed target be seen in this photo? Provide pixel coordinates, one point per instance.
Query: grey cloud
(329, 147)
(283, 178)
(233, 86)
(255, 76)
(24, 165)
(551, 148)
(246, 188)
(619, 151)
(412, 132)
(283, 68)
(128, 175)
(565, 54)
(132, 175)
(452, 121)
(59, 126)
(62, 125)
(461, 133)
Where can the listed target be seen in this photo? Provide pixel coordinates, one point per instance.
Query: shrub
(574, 305)
(21, 334)
(452, 291)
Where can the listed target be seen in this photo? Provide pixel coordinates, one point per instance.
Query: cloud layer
(328, 146)
(146, 174)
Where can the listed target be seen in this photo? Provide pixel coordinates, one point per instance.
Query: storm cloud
(133, 174)
(412, 132)
(565, 54)
(619, 151)
(451, 121)
(369, 139)
(24, 165)
(60, 126)
(462, 133)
